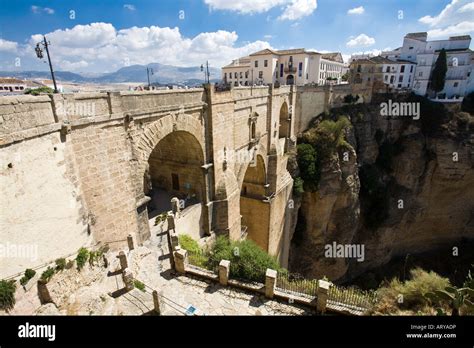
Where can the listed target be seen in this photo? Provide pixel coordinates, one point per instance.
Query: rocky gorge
(396, 186)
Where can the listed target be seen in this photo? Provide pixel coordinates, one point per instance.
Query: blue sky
(102, 36)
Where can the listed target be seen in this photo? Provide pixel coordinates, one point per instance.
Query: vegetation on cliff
(317, 146)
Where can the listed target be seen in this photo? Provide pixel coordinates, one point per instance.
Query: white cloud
(268, 37)
(298, 9)
(72, 66)
(37, 9)
(356, 10)
(455, 19)
(244, 6)
(129, 7)
(452, 30)
(361, 41)
(293, 9)
(8, 46)
(466, 8)
(97, 47)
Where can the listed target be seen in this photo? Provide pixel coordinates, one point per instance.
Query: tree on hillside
(438, 75)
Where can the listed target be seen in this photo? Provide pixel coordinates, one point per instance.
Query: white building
(287, 67)
(11, 85)
(398, 74)
(416, 48)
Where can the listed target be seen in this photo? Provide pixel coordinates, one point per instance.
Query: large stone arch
(284, 121)
(143, 146)
(155, 132)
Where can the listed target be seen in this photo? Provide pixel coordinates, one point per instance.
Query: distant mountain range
(163, 74)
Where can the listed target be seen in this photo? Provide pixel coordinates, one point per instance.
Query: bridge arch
(170, 154)
(284, 119)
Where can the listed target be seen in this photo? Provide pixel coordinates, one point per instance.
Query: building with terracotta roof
(287, 67)
(11, 85)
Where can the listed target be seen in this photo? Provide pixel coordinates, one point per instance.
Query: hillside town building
(286, 67)
(417, 49)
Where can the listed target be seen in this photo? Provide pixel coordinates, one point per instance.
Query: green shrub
(82, 257)
(298, 189)
(247, 260)
(189, 244)
(48, 274)
(7, 294)
(60, 264)
(29, 273)
(414, 290)
(40, 90)
(196, 256)
(309, 167)
(139, 285)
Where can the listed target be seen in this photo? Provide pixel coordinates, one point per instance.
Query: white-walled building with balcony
(416, 48)
(287, 67)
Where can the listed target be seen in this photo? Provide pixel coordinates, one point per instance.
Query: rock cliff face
(425, 181)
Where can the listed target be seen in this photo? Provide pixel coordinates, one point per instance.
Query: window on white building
(420, 74)
(241, 74)
(400, 78)
(235, 74)
(455, 84)
(411, 69)
(402, 68)
(265, 63)
(256, 63)
(260, 74)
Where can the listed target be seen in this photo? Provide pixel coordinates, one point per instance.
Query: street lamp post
(39, 54)
(148, 71)
(207, 74)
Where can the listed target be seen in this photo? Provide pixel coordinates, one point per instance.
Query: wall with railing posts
(321, 295)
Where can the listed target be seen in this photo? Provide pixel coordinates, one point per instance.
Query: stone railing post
(170, 221)
(123, 260)
(130, 242)
(270, 282)
(323, 289)
(156, 302)
(174, 240)
(180, 258)
(127, 278)
(224, 269)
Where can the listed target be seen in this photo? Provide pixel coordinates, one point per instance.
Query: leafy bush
(7, 294)
(60, 264)
(196, 256)
(139, 285)
(413, 291)
(40, 90)
(432, 115)
(29, 273)
(308, 164)
(247, 260)
(298, 189)
(82, 257)
(189, 244)
(318, 146)
(48, 274)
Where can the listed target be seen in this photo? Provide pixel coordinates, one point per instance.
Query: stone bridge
(81, 169)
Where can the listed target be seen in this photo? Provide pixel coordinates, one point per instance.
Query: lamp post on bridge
(207, 74)
(39, 54)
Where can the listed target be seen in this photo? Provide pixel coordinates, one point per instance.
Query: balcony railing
(291, 70)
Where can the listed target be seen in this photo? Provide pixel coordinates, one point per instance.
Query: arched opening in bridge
(253, 209)
(284, 129)
(174, 170)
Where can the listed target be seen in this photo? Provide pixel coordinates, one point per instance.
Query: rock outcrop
(428, 184)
